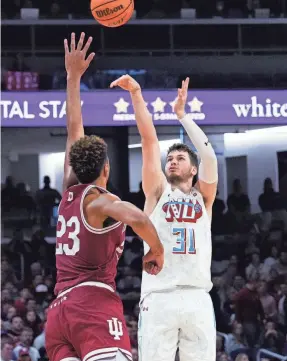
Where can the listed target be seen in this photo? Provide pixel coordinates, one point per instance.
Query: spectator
(223, 357)
(36, 269)
(272, 258)
(229, 307)
(41, 250)
(238, 283)
(272, 339)
(7, 273)
(17, 326)
(46, 199)
(254, 267)
(9, 316)
(236, 341)
(26, 339)
(8, 195)
(272, 206)
(39, 342)
(31, 305)
(229, 274)
(20, 303)
(268, 302)
(24, 199)
(33, 321)
(219, 345)
(249, 311)
(238, 202)
(6, 348)
(282, 308)
(19, 244)
(24, 355)
(55, 11)
(218, 209)
(251, 246)
(218, 302)
(242, 357)
(281, 266)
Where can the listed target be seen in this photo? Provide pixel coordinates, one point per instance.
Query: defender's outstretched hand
(181, 99)
(76, 62)
(126, 82)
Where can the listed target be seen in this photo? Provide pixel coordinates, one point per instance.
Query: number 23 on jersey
(70, 230)
(185, 241)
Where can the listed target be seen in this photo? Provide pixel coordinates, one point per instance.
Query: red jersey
(84, 253)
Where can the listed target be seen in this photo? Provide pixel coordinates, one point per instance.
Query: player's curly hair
(87, 158)
(180, 147)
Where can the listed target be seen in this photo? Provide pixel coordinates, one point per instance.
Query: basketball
(112, 13)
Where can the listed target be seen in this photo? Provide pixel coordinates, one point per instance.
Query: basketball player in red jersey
(86, 320)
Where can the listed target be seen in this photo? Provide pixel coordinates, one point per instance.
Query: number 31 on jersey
(185, 241)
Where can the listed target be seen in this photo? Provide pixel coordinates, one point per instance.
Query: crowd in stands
(249, 272)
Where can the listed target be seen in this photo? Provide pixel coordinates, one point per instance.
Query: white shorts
(184, 319)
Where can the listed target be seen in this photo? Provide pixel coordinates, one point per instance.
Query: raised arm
(153, 178)
(207, 172)
(76, 64)
(109, 205)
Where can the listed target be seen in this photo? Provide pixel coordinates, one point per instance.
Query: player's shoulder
(110, 197)
(97, 199)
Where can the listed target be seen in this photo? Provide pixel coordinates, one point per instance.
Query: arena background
(235, 54)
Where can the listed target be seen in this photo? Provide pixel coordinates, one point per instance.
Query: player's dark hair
(87, 158)
(180, 147)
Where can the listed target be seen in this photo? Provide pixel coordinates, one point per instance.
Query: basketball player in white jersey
(176, 311)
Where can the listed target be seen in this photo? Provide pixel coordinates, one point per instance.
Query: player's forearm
(132, 216)
(143, 117)
(74, 110)
(208, 167)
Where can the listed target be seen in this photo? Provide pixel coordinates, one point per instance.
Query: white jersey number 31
(185, 242)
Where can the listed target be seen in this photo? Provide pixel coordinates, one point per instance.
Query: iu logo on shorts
(115, 328)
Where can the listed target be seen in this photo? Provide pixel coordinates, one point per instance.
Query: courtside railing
(263, 352)
(269, 31)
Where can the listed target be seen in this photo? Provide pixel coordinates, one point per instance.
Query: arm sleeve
(207, 171)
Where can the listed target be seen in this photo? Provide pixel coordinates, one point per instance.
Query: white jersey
(184, 229)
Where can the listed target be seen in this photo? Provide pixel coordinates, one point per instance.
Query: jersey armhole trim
(86, 224)
(166, 190)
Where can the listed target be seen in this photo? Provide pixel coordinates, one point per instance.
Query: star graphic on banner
(121, 106)
(195, 105)
(158, 105)
(172, 104)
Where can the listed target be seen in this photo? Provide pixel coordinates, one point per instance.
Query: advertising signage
(114, 108)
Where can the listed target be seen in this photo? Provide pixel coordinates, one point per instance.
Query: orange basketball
(112, 13)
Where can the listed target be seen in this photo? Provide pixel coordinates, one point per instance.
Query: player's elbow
(210, 156)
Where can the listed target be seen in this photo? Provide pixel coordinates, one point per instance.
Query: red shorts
(86, 323)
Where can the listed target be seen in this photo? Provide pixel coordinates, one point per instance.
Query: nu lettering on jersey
(182, 210)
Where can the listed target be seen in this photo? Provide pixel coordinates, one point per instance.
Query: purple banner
(114, 108)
